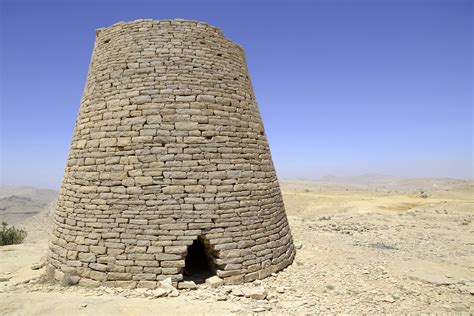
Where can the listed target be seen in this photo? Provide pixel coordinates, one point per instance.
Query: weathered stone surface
(185, 98)
(167, 284)
(37, 266)
(237, 291)
(118, 276)
(87, 257)
(168, 149)
(98, 250)
(98, 276)
(257, 293)
(206, 98)
(141, 99)
(186, 126)
(159, 292)
(187, 285)
(144, 180)
(214, 281)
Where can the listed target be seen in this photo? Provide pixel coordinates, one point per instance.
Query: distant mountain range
(20, 203)
(362, 179)
(388, 182)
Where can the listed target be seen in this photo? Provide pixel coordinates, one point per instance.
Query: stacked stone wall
(168, 147)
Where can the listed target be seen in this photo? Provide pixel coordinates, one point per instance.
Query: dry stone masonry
(168, 149)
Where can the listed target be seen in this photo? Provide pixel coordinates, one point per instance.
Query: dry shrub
(11, 235)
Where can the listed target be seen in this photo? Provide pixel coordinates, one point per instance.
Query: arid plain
(369, 244)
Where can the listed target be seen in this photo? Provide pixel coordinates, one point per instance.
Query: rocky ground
(363, 247)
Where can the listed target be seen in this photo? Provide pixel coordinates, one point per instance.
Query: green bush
(11, 235)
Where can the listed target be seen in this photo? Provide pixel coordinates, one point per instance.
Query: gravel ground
(360, 251)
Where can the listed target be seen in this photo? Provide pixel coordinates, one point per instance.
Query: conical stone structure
(169, 164)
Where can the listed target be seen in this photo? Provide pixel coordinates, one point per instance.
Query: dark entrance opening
(198, 263)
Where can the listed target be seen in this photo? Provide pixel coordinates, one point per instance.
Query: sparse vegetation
(11, 235)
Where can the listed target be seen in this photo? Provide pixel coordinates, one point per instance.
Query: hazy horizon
(346, 177)
(344, 88)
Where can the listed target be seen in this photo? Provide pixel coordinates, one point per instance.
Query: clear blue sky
(344, 87)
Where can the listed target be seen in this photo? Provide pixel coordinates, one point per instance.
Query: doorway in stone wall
(199, 263)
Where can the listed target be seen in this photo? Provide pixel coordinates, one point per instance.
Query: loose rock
(257, 293)
(214, 281)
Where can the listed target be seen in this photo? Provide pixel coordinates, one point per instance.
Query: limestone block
(172, 264)
(170, 270)
(206, 98)
(214, 281)
(147, 284)
(194, 188)
(81, 144)
(72, 255)
(174, 226)
(98, 250)
(144, 180)
(175, 174)
(98, 267)
(173, 189)
(87, 257)
(108, 142)
(167, 256)
(186, 126)
(153, 249)
(185, 98)
(147, 263)
(124, 141)
(82, 248)
(112, 276)
(98, 276)
(188, 285)
(141, 256)
(175, 249)
(153, 119)
(144, 277)
(138, 222)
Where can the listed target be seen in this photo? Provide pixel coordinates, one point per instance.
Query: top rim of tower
(164, 21)
(197, 23)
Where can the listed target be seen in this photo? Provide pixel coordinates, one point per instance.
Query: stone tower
(169, 172)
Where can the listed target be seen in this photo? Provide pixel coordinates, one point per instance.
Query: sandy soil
(364, 247)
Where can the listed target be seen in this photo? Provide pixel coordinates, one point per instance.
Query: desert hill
(19, 203)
